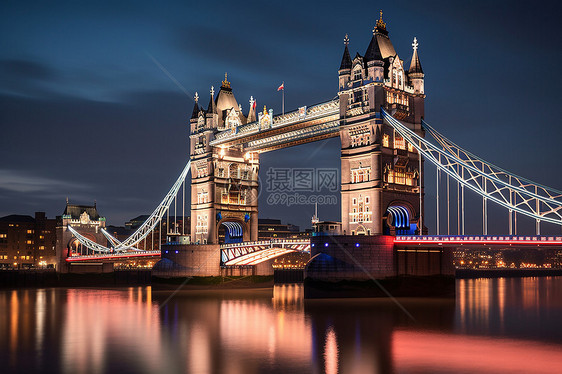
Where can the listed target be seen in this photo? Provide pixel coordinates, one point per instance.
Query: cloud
(25, 69)
(16, 181)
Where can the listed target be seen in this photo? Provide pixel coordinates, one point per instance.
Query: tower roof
(415, 65)
(381, 42)
(346, 58)
(76, 210)
(373, 51)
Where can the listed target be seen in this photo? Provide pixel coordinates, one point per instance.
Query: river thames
(493, 326)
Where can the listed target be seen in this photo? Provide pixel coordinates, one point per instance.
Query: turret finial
(252, 101)
(346, 40)
(380, 23)
(225, 82)
(196, 97)
(415, 44)
(212, 91)
(264, 109)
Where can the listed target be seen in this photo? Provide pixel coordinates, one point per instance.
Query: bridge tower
(224, 186)
(86, 220)
(381, 175)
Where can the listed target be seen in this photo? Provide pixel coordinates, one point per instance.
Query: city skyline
(95, 104)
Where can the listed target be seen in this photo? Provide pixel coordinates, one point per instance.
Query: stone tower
(381, 175)
(86, 220)
(224, 187)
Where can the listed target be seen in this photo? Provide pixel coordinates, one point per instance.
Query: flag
(254, 105)
(281, 87)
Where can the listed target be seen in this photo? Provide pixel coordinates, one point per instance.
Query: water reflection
(494, 325)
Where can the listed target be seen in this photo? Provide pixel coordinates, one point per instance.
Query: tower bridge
(378, 114)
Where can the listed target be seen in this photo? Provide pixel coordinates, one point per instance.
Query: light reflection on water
(495, 325)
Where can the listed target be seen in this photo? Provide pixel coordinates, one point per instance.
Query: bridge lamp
(357, 244)
(312, 245)
(247, 156)
(325, 244)
(221, 153)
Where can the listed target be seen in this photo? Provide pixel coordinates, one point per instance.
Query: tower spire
(195, 112)
(346, 58)
(415, 65)
(252, 112)
(212, 105)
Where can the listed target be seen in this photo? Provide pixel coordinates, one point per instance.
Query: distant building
(321, 228)
(273, 229)
(27, 241)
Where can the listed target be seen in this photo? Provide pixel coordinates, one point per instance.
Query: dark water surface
(493, 326)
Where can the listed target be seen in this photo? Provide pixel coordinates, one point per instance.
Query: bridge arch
(232, 230)
(399, 218)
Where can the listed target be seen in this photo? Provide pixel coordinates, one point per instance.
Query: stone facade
(378, 169)
(224, 187)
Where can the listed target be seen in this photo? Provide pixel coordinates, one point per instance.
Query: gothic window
(385, 140)
(357, 74)
(400, 78)
(232, 120)
(399, 142)
(393, 78)
(233, 171)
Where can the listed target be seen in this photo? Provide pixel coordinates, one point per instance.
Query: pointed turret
(252, 112)
(196, 109)
(415, 65)
(373, 52)
(212, 108)
(346, 58)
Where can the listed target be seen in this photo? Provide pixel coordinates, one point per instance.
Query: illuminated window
(41, 247)
(360, 175)
(399, 142)
(41, 237)
(29, 242)
(385, 140)
(30, 231)
(357, 74)
(3, 235)
(410, 148)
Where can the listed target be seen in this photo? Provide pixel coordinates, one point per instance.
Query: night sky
(95, 96)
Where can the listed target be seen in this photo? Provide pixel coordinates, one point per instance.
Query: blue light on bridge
(325, 244)
(357, 244)
(312, 245)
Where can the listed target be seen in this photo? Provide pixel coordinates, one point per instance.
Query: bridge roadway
(120, 256)
(253, 253)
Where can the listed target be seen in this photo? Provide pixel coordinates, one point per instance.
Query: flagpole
(283, 99)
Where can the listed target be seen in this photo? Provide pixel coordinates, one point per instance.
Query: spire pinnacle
(252, 101)
(415, 44)
(212, 91)
(381, 25)
(346, 40)
(225, 82)
(196, 97)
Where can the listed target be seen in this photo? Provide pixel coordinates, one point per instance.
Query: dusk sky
(96, 96)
